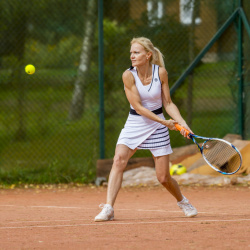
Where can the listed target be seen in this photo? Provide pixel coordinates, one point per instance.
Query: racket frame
(193, 136)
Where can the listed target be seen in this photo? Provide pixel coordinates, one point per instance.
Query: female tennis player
(147, 90)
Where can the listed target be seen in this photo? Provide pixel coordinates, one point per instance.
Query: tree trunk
(77, 104)
(195, 14)
(20, 28)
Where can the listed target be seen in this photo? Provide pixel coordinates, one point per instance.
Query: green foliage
(55, 150)
(55, 173)
(58, 151)
(41, 20)
(64, 54)
(164, 36)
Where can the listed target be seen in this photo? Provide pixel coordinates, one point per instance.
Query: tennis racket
(219, 154)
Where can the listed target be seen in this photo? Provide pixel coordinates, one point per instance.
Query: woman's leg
(164, 177)
(122, 155)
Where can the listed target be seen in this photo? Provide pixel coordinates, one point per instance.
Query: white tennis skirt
(158, 143)
(143, 133)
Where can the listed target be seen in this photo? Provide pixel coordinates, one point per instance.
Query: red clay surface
(145, 218)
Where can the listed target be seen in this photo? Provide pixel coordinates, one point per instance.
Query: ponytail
(157, 57)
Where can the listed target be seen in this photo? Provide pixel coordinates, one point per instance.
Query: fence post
(191, 66)
(101, 79)
(240, 73)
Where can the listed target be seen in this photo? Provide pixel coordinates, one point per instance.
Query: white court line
(57, 207)
(45, 207)
(46, 221)
(162, 211)
(124, 223)
(117, 209)
(41, 221)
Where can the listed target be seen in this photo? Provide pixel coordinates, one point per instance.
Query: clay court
(145, 218)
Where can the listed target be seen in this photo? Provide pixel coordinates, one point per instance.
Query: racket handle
(179, 127)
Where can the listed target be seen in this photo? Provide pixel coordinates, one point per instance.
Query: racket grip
(179, 127)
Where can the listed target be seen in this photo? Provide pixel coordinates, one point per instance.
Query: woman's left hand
(183, 132)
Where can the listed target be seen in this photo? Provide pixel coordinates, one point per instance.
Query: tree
(40, 20)
(195, 15)
(77, 105)
(14, 28)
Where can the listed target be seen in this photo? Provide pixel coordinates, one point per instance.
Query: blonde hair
(157, 56)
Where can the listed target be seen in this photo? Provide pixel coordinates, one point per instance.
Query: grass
(56, 150)
(57, 156)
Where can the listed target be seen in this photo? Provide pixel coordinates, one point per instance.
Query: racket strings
(221, 155)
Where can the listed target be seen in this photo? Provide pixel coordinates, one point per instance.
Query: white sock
(183, 199)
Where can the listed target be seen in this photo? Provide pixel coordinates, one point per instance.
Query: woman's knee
(119, 162)
(164, 179)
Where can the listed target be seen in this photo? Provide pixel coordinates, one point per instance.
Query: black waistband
(157, 111)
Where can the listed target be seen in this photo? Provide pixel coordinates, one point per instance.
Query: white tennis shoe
(187, 208)
(106, 214)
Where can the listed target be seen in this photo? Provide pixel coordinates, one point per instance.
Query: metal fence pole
(245, 21)
(240, 74)
(101, 79)
(204, 51)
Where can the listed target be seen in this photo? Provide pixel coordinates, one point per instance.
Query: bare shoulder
(127, 75)
(127, 78)
(163, 74)
(162, 71)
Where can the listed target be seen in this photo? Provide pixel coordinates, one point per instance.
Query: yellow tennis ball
(30, 69)
(177, 169)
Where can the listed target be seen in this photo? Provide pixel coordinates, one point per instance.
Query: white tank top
(150, 94)
(140, 131)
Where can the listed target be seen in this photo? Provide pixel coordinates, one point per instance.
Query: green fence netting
(49, 121)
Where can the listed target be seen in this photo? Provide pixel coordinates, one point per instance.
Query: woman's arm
(169, 106)
(135, 100)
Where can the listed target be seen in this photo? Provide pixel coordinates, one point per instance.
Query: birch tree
(77, 104)
(190, 16)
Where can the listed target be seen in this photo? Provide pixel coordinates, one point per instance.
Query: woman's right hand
(170, 124)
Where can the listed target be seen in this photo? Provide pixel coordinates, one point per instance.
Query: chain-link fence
(49, 121)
